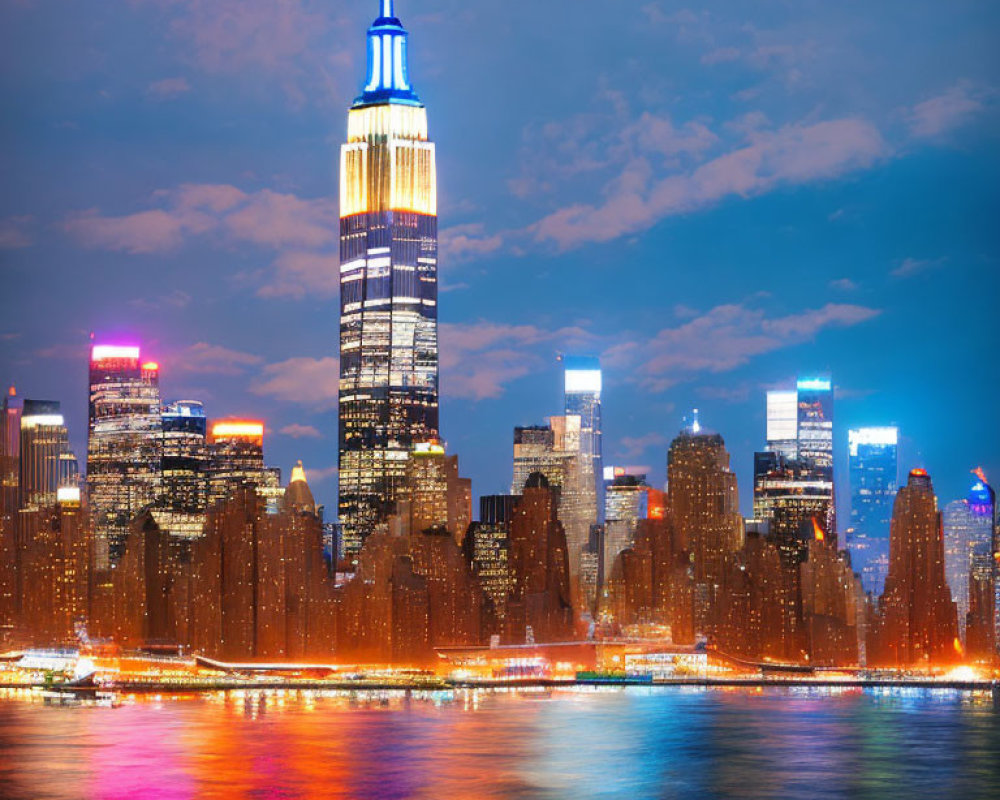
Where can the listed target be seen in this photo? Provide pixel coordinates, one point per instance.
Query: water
(630, 743)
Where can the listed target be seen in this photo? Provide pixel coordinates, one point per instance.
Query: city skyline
(498, 352)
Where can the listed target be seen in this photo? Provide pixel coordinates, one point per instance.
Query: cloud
(168, 88)
(726, 337)
(909, 267)
(214, 359)
(638, 198)
(265, 218)
(298, 275)
(174, 299)
(633, 447)
(944, 112)
(478, 360)
(14, 233)
(465, 242)
(720, 55)
(296, 431)
(310, 382)
(844, 285)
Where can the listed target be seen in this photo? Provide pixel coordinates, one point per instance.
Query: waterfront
(582, 742)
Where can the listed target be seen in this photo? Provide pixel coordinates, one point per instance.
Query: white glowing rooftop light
(102, 352)
(68, 494)
(583, 380)
(885, 436)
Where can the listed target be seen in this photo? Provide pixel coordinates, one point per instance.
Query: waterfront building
(980, 638)
(539, 606)
(124, 444)
(389, 289)
(968, 526)
(45, 459)
(628, 500)
(10, 452)
(433, 494)
(53, 566)
(873, 465)
(917, 623)
(704, 500)
(487, 546)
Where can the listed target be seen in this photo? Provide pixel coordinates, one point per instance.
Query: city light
(108, 352)
(238, 429)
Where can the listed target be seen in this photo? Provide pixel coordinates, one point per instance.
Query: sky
(713, 197)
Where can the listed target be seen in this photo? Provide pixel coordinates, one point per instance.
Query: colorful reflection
(585, 743)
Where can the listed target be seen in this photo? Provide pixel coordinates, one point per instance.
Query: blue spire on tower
(388, 62)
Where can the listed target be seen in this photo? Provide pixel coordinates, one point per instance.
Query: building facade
(388, 300)
(873, 466)
(124, 445)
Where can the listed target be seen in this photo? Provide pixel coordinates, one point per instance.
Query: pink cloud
(265, 218)
(479, 359)
(14, 232)
(944, 112)
(213, 359)
(168, 88)
(298, 275)
(637, 199)
(310, 382)
(296, 431)
(464, 242)
(724, 338)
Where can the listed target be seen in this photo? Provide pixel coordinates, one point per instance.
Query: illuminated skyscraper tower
(124, 445)
(583, 385)
(388, 274)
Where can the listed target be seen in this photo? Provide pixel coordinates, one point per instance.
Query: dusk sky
(713, 197)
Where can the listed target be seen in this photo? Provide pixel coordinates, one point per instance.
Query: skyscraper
(388, 299)
(583, 384)
(704, 499)
(10, 447)
(124, 444)
(783, 423)
(918, 622)
(873, 463)
(185, 470)
(968, 528)
(798, 463)
(236, 458)
(46, 462)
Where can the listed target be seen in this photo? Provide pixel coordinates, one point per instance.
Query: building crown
(388, 62)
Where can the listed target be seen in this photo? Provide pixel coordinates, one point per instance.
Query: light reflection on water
(635, 743)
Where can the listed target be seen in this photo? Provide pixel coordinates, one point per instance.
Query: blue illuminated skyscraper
(873, 463)
(388, 276)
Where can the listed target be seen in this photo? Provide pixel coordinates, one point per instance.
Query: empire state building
(388, 285)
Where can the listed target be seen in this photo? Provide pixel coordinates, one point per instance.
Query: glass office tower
(583, 384)
(124, 445)
(388, 273)
(873, 465)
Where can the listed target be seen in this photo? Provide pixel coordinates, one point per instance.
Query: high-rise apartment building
(124, 445)
(917, 622)
(873, 464)
(434, 495)
(703, 498)
(389, 291)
